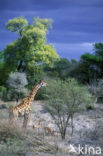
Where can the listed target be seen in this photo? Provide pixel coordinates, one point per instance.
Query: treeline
(31, 58)
(87, 69)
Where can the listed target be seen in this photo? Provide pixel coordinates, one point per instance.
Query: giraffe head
(42, 83)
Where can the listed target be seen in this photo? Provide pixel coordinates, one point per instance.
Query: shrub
(96, 89)
(65, 98)
(2, 91)
(16, 86)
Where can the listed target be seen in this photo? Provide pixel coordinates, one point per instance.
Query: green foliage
(2, 77)
(47, 55)
(92, 64)
(62, 64)
(70, 70)
(31, 47)
(2, 91)
(16, 24)
(30, 50)
(2, 74)
(88, 68)
(34, 76)
(59, 68)
(68, 92)
(98, 47)
(64, 98)
(31, 54)
(43, 23)
(1, 56)
(90, 57)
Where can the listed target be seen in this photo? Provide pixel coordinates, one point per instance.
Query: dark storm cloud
(47, 4)
(32, 4)
(77, 23)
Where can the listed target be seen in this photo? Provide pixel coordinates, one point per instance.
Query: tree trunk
(63, 136)
(95, 99)
(72, 125)
(17, 99)
(63, 133)
(19, 66)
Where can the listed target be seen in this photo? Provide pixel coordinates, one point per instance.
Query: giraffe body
(24, 108)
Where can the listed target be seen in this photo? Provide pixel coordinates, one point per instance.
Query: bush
(2, 91)
(13, 95)
(97, 133)
(96, 89)
(16, 86)
(65, 98)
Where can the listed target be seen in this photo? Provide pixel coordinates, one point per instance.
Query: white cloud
(73, 50)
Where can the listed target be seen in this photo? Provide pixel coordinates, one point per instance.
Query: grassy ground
(14, 141)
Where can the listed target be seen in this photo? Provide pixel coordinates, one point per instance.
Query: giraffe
(24, 108)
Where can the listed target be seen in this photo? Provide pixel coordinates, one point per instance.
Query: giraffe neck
(33, 92)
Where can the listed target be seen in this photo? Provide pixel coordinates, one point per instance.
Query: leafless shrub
(93, 135)
(98, 131)
(8, 131)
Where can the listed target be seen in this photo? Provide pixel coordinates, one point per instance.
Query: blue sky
(78, 24)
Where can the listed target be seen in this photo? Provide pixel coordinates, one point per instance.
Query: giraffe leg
(26, 119)
(12, 117)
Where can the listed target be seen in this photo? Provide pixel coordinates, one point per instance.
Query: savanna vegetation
(74, 86)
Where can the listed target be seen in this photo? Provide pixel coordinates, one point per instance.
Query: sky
(77, 24)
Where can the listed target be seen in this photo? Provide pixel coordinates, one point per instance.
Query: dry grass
(8, 131)
(12, 139)
(15, 142)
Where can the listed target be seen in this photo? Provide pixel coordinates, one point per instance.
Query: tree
(98, 47)
(16, 84)
(1, 56)
(34, 76)
(30, 50)
(62, 68)
(91, 65)
(64, 99)
(2, 69)
(3, 91)
(70, 70)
